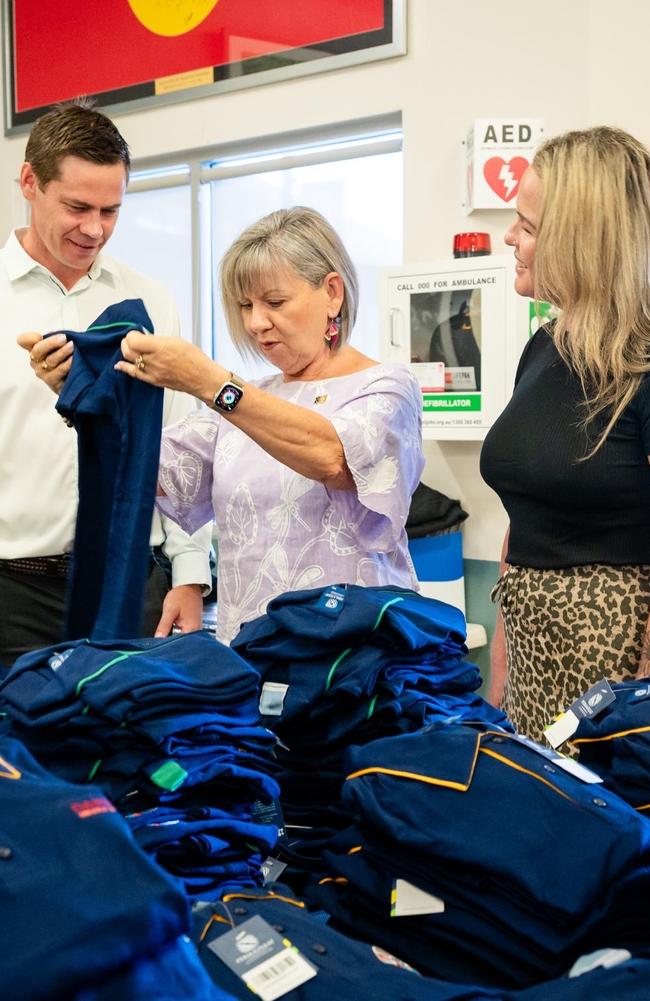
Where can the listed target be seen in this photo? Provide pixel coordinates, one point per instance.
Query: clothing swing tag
(579, 771)
(605, 958)
(592, 703)
(267, 963)
(407, 900)
(272, 698)
(561, 729)
(270, 813)
(271, 869)
(545, 752)
(589, 705)
(566, 764)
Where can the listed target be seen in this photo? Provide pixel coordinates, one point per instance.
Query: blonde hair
(298, 238)
(592, 259)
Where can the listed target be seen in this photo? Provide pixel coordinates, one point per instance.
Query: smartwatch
(228, 396)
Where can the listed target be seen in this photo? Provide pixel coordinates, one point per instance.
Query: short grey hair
(299, 238)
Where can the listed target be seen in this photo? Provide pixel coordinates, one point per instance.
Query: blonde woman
(569, 456)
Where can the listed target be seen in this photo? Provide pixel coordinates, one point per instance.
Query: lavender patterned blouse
(278, 531)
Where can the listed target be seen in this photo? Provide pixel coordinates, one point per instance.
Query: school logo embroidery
(59, 658)
(85, 808)
(390, 960)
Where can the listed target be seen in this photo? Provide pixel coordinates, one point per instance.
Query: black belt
(41, 566)
(51, 566)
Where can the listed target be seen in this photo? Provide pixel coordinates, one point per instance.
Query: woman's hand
(172, 363)
(50, 357)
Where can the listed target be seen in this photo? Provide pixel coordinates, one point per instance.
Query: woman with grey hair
(308, 472)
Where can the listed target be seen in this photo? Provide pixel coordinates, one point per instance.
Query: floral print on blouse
(278, 531)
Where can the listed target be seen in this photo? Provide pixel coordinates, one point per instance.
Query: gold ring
(32, 356)
(140, 364)
(45, 366)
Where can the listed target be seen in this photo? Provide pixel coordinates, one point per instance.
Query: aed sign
(496, 152)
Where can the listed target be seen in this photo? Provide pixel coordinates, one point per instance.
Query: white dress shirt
(38, 452)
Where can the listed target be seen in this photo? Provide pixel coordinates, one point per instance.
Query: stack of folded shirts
(478, 855)
(345, 665)
(616, 742)
(82, 907)
(350, 969)
(606, 975)
(335, 964)
(169, 729)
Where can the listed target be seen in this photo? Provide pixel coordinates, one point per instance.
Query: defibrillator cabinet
(461, 328)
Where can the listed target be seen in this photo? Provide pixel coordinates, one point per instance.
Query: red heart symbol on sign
(504, 176)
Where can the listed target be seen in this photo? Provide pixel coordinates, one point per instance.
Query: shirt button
(597, 801)
(5, 852)
(320, 949)
(239, 910)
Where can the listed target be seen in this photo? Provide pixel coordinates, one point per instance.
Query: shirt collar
(19, 263)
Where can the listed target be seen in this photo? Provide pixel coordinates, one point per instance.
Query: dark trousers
(32, 609)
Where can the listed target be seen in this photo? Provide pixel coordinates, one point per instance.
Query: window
(153, 235)
(178, 219)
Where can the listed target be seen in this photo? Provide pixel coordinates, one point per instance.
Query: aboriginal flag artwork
(123, 51)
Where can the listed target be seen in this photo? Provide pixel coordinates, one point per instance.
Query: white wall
(573, 63)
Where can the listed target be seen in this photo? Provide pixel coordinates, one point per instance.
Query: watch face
(228, 397)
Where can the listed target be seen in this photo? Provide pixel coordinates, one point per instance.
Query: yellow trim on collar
(610, 736)
(520, 768)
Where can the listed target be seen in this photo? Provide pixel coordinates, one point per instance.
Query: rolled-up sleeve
(186, 470)
(381, 433)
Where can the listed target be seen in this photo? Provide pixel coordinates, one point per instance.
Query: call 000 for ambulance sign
(128, 53)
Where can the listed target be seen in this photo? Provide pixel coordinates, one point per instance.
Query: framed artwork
(461, 327)
(133, 54)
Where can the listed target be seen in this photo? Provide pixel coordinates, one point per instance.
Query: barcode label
(279, 974)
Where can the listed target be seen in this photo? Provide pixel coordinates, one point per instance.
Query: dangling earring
(332, 332)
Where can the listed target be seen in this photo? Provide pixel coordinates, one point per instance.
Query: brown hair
(73, 128)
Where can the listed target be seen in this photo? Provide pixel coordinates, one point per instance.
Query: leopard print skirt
(565, 630)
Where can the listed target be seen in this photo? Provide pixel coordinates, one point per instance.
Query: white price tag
(407, 899)
(267, 962)
(279, 975)
(272, 698)
(563, 728)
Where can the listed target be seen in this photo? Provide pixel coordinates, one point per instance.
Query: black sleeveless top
(564, 512)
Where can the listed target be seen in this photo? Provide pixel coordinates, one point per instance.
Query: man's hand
(182, 607)
(50, 357)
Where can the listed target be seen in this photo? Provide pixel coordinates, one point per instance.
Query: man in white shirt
(54, 275)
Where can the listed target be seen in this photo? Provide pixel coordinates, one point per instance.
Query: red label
(91, 807)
